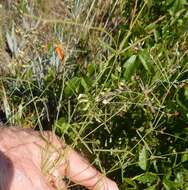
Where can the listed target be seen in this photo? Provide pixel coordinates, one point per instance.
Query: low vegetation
(119, 94)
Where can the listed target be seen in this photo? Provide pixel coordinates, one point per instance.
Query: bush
(120, 93)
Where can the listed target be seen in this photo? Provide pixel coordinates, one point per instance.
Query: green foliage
(143, 158)
(121, 93)
(72, 86)
(130, 67)
(147, 178)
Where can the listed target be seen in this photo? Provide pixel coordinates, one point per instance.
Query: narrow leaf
(9, 42)
(144, 60)
(130, 67)
(143, 158)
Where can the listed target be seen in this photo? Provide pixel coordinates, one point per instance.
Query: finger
(57, 183)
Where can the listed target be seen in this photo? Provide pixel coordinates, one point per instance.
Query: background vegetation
(119, 96)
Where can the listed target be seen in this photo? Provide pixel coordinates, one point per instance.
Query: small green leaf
(146, 178)
(186, 92)
(62, 126)
(169, 185)
(91, 69)
(72, 86)
(84, 84)
(130, 67)
(144, 58)
(184, 157)
(179, 178)
(83, 102)
(143, 158)
(128, 183)
(150, 27)
(153, 187)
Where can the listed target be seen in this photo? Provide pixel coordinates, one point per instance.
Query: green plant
(119, 96)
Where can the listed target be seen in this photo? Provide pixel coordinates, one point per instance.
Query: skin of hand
(40, 161)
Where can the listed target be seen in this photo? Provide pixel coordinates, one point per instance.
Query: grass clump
(120, 95)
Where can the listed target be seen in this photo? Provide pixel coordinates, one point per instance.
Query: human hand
(29, 159)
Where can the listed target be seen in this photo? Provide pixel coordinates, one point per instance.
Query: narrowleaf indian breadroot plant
(120, 92)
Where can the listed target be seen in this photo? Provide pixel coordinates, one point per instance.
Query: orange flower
(59, 52)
